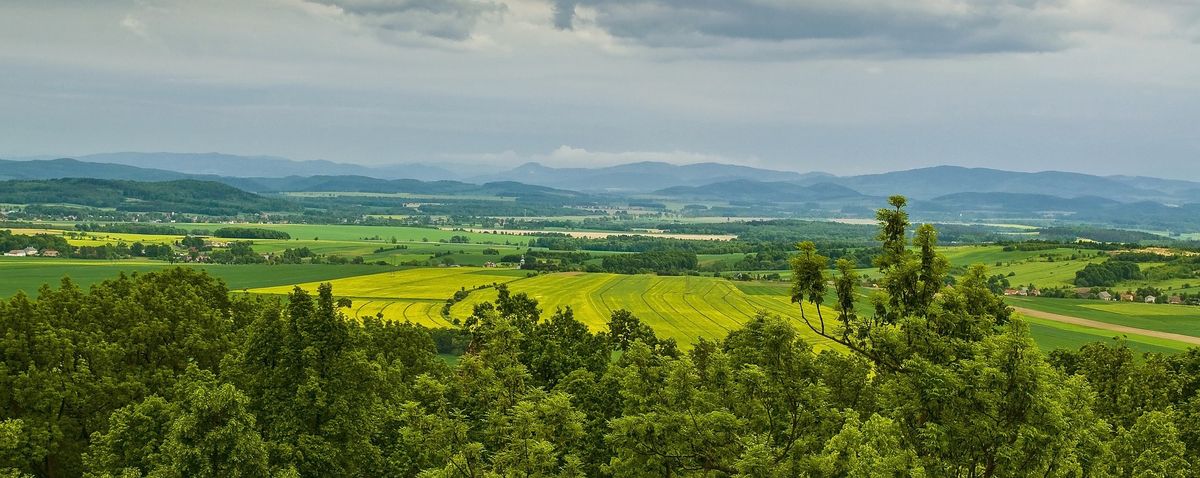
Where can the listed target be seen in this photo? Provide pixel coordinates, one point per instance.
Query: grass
(21, 274)
(1051, 335)
(1176, 319)
(1026, 267)
(685, 308)
(350, 232)
(420, 284)
(419, 244)
(101, 238)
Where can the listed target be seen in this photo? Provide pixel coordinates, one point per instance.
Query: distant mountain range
(643, 176)
(928, 183)
(744, 190)
(218, 164)
(632, 178)
(179, 195)
(944, 192)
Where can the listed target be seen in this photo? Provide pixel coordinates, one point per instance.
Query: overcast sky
(844, 86)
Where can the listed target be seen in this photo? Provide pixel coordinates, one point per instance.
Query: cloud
(454, 20)
(895, 27)
(134, 25)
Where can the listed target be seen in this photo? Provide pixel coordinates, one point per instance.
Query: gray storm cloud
(1102, 86)
(902, 27)
(446, 19)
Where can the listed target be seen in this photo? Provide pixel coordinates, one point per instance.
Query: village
(31, 252)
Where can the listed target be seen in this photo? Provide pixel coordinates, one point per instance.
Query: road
(1066, 319)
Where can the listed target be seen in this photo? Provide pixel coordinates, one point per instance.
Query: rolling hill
(219, 164)
(71, 168)
(929, 183)
(641, 177)
(757, 191)
(185, 195)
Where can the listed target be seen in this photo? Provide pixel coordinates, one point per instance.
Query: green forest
(169, 374)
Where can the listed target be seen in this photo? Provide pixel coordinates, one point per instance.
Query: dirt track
(1107, 326)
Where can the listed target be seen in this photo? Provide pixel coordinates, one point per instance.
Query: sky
(841, 86)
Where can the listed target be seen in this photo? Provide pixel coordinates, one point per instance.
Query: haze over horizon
(1101, 87)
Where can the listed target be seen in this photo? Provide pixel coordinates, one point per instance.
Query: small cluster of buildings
(1127, 297)
(31, 252)
(1024, 292)
(1088, 293)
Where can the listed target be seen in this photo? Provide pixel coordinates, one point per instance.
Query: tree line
(167, 374)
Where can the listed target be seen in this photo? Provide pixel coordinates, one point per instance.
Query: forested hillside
(167, 374)
(187, 195)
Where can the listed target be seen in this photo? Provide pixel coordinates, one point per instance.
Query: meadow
(351, 232)
(414, 295)
(411, 243)
(28, 274)
(684, 307)
(1177, 319)
(1052, 335)
(1025, 267)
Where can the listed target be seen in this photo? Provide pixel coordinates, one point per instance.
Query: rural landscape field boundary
(1107, 326)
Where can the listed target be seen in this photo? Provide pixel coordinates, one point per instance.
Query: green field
(349, 232)
(1177, 319)
(1026, 267)
(1051, 335)
(22, 274)
(415, 295)
(422, 284)
(685, 307)
(418, 244)
(101, 238)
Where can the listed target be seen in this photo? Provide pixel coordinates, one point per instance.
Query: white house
(1151, 299)
(15, 253)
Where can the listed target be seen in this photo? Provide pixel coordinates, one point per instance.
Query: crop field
(595, 234)
(415, 295)
(1056, 335)
(1177, 319)
(1172, 286)
(1026, 267)
(424, 284)
(412, 243)
(349, 232)
(333, 194)
(100, 238)
(28, 274)
(684, 307)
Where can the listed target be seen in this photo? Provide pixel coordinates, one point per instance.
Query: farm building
(1011, 292)
(1127, 297)
(1151, 299)
(30, 251)
(1104, 295)
(15, 253)
(1175, 300)
(49, 253)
